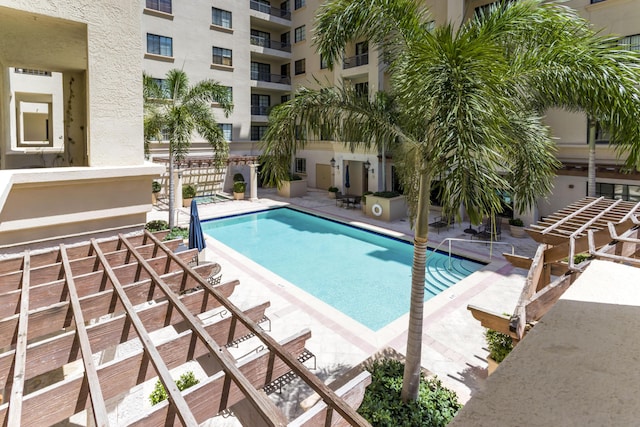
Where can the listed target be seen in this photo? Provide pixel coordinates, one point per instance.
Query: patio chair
(341, 198)
(357, 200)
(443, 222)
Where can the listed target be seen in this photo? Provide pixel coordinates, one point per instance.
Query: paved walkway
(453, 342)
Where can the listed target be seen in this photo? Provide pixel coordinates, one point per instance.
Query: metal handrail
(457, 239)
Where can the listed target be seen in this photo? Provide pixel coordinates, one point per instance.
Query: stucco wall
(114, 64)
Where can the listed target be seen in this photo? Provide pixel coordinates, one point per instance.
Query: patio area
(453, 341)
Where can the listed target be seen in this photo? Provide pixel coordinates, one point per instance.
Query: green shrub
(577, 259)
(238, 177)
(188, 191)
(155, 187)
(185, 381)
(239, 187)
(177, 232)
(294, 177)
(517, 222)
(387, 194)
(500, 345)
(364, 196)
(156, 225)
(333, 189)
(382, 405)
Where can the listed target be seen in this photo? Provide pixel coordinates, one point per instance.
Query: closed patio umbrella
(196, 237)
(347, 184)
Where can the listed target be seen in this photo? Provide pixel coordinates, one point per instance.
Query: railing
(355, 61)
(272, 78)
(271, 44)
(273, 11)
(259, 110)
(455, 239)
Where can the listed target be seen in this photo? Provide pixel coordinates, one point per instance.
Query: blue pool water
(363, 274)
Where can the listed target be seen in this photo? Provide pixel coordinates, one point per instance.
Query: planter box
(386, 209)
(293, 188)
(517, 231)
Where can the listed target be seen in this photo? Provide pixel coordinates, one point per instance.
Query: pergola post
(253, 182)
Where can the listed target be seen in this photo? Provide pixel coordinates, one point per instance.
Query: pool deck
(453, 343)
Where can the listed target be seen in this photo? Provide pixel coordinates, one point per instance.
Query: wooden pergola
(602, 228)
(71, 304)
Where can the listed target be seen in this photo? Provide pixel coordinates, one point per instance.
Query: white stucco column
(177, 193)
(253, 181)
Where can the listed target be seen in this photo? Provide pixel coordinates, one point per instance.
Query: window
(626, 192)
(260, 104)
(362, 89)
(285, 38)
(159, 45)
(300, 66)
(285, 70)
(226, 129)
(260, 71)
(602, 136)
(221, 18)
(260, 38)
(162, 84)
(285, 98)
(229, 93)
(165, 135)
(222, 56)
(299, 3)
(159, 5)
(596, 1)
(257, 132)
(301, 165)
(299, 34)
(631, 42)
(323, 63)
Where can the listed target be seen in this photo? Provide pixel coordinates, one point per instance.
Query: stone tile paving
(453, 342)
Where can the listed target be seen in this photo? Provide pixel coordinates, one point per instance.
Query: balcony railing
(272, 78)
(260, 110)
(355, 61)
(273, 11)
(271, 44)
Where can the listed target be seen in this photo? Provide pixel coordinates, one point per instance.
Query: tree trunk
(411, 379)
(171, 190)
(591, 140)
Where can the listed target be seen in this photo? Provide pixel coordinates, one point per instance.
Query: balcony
(270, 44)
(355, 61)
(273, 11)
(271, 78)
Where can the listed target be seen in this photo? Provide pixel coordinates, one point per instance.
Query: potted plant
(500, 345)
(332, 192)
(188, 193)
(239, 188)
(238, 177)
(155, 189)
(293, 186)
(516, 227)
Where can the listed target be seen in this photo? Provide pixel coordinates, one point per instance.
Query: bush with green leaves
(155, 187)
(188, 191)
(239, 186)
(333, 189)
(238, 177)
(500, 345)
(185, 381)
(156, 225)
(382, 405)
(516, 222)
(387, 194)
(176, 233)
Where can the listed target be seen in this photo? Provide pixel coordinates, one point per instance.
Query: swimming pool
(363, 274)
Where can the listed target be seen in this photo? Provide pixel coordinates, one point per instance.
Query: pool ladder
(456, 239)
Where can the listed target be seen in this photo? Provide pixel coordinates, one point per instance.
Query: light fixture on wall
(333, 163)
(367, 166)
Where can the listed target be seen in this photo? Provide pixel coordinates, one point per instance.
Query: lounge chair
(443, 222)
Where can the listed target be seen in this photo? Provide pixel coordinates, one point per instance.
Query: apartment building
(263, 50)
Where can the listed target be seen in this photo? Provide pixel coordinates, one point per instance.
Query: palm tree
(181, 110)
(469, 108)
